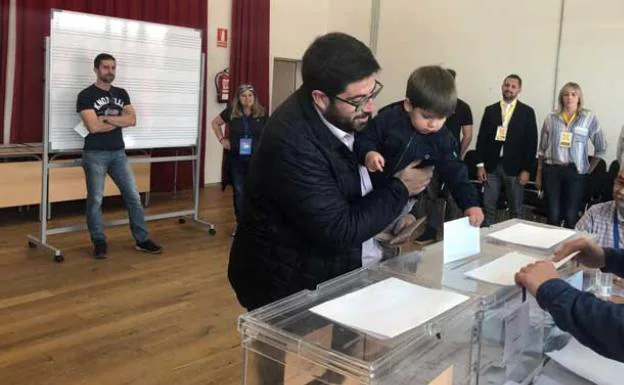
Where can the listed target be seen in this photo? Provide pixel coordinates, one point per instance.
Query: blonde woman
(563, 162)
(246, 119)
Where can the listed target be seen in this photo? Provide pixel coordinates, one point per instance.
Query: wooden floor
(131, 319)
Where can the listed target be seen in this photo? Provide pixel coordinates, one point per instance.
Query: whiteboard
(159, 65)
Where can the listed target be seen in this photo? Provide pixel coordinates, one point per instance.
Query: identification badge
(501, 134)
(566, 140)
(245, 146)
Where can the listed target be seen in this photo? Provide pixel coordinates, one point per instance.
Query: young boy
(413, 129)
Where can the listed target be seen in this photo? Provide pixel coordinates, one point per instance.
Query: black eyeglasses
(361, 101)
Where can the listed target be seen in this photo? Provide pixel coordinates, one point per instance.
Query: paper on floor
(389, 307)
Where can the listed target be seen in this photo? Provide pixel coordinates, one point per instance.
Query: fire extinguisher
(222, 83)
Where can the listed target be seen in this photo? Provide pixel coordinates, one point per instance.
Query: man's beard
(346, 124)
(107, 78)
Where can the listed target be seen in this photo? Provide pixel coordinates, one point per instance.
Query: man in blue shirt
(605, 220)
(595, 323)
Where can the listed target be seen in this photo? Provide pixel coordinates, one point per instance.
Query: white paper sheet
(502, 271)
(588, 364)
(532, 236)
(462, 240)
(388, 308)
(81, 129)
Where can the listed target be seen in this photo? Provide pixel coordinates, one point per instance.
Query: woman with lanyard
(246, 119)
(563, 162)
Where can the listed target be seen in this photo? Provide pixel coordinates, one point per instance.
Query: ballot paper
(388, 308)
(502, 271)
(532, 236)
(588, 364)
(461, 240)
(81, 129)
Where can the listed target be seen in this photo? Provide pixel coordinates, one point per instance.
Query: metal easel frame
(195, 157)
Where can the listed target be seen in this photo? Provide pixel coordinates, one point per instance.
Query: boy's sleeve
(369, 139)
(454, 173)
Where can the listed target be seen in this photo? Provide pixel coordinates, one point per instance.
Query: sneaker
(149, 247)
(427, 237)
(100, 249)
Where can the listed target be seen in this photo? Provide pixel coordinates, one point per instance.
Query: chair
(607, 182)
(534, 198)
(471, 162)
(595, 188)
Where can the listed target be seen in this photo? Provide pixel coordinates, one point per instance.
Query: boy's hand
(475, 216)
(374, 161)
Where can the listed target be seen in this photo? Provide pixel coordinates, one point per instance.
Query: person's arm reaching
(595, 323)
(454, 173)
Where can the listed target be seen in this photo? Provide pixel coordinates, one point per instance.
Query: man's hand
(415, 179)
(404, 222)
(590, 254)
(475, 215)
(538, 180)
(374, 161)
(532, 276)
(481, 174)
(523, 178)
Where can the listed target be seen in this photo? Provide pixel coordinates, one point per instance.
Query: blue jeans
(96, 165)
(239, 167)
(514, 192)
(564, 188)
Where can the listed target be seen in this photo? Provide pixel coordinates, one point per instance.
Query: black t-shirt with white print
(104, 103)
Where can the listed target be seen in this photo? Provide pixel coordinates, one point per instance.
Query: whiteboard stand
(195, 157)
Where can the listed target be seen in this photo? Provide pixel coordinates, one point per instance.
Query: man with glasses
(310, 210)
(413, 130)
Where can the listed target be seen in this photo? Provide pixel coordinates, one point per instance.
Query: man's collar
(338, 133)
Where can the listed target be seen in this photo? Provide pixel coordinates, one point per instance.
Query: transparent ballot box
(287, 342)
(510, 326)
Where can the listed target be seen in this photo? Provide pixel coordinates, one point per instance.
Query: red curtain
(33, 24)
(249, 56)
(4, 43)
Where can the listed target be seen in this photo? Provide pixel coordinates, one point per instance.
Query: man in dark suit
(310, 213)
(506, 147)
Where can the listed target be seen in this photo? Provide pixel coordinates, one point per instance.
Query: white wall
(219, 16)
(295, 24)
(592, 53)
(482, 40)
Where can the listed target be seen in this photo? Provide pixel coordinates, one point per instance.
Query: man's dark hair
(452, 72)
(100, 57)
(432, 88)
(335, 60)
(514, 76)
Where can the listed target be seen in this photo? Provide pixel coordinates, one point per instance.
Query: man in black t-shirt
(105, 110)
(460, 123)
